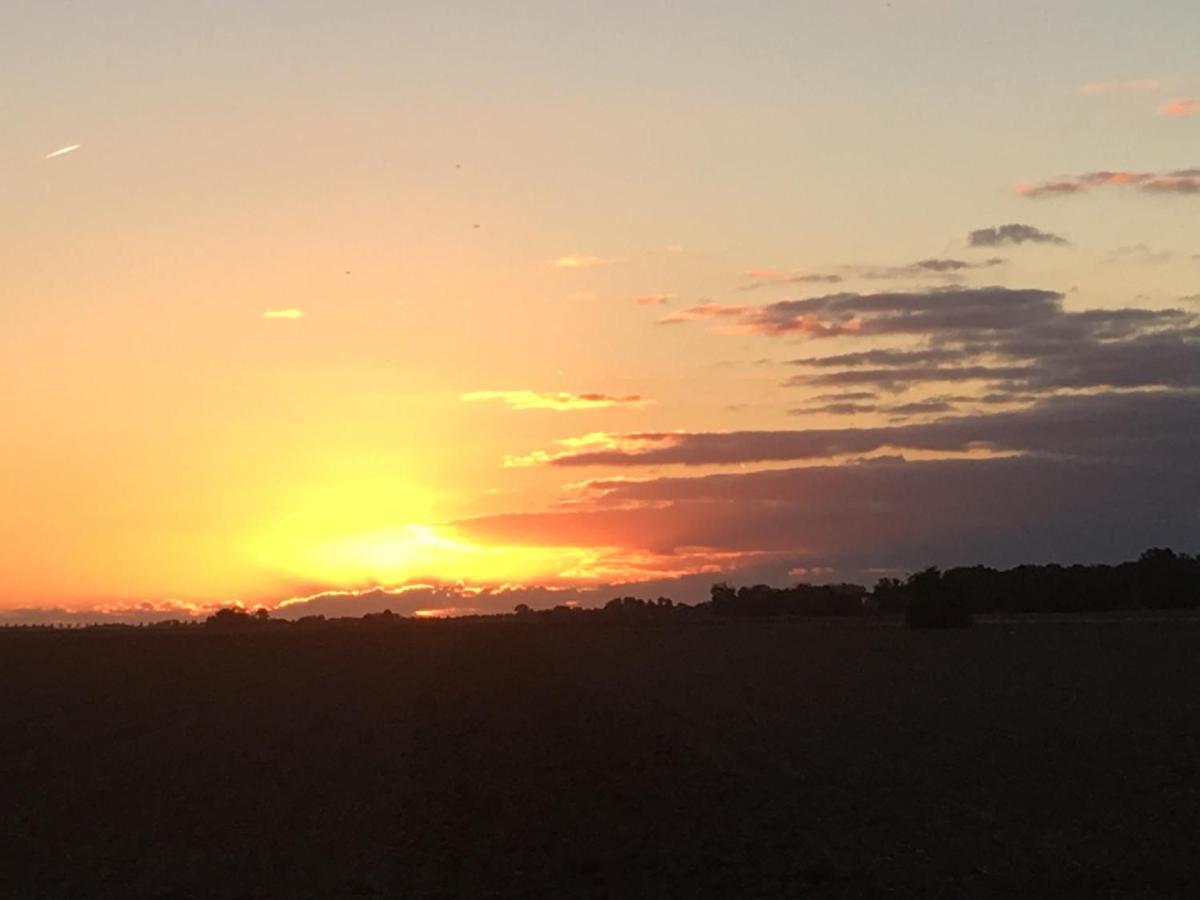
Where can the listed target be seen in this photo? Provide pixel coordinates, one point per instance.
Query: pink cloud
(1182, 181)
(704, 311)
(1180, 108)
(1121, 87)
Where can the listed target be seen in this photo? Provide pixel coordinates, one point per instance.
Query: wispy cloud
(62, 151)
(655, 299)
(559, 401)
(934, 267)
(704, 311)
(283, 314)
(760, 277)
(1179, 181)
(1137, 85)
(583, 261)
(1180, 108)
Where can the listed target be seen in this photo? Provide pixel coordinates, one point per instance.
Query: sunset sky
(479, 302)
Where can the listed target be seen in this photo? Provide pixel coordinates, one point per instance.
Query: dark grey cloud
(933, 405)
(948, 265)
(1013, 235)
(905, 312)
(899, 379)
(834, 409)
(922, 407)
(880, 358)
(845, 396)
(907, 514)
(1012, 340)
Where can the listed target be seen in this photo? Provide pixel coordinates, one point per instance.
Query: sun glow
(399, 554)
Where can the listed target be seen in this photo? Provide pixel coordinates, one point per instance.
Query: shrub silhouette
(935, 602)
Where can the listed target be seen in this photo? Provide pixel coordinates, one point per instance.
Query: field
(692, 759)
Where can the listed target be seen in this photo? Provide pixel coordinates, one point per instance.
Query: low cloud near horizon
(1059, 420)
(559, 401)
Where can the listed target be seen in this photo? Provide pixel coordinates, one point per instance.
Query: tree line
(1160, 579)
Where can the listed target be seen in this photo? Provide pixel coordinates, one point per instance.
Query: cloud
(934, 405)
(1125, 426)
(922, 268)
(582, 261)
(1121, 87)
(902, 312)
(703, 311)
(655, 299)
(1180, 181)
(834, 409)
(113, 613)
(1140, 253)
(283, 314)
(1180, 108)
(559, 401)
(1017, 338)
(761, 277)
(999, 511)
(939, 266)
(880, 358)
(1014, 341)
(847, 405)
(1012, 235)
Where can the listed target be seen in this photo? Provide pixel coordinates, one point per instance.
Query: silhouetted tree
(235, 617)
(935, 601)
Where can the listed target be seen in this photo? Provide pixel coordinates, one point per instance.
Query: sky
(443, 306)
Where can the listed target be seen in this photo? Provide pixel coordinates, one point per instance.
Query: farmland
(773, 758)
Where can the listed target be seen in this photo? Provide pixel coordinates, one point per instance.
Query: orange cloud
(655, 299)
(766, 319)
(1180, 108)
(559, 401)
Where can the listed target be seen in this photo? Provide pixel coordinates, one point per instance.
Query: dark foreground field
(725, 760)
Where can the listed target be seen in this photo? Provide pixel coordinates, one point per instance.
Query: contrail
(62, 151)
